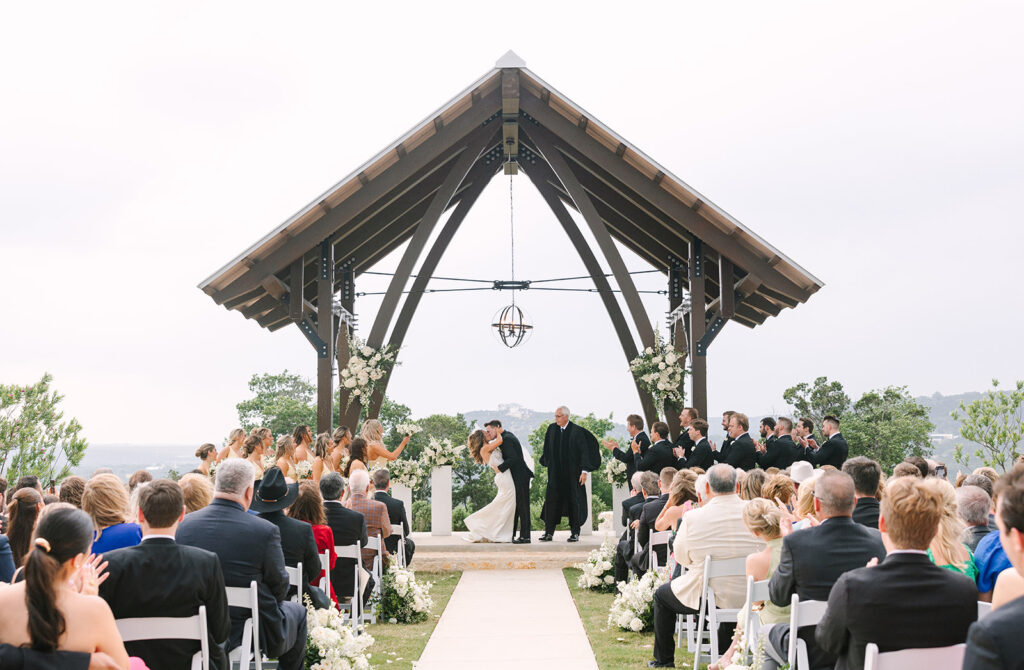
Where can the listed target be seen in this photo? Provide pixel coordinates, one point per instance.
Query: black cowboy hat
(274, 492)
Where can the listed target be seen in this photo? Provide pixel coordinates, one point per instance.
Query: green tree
(888, 425)
(996, 423)
(34, 439)
(817, 400)
(280, 402)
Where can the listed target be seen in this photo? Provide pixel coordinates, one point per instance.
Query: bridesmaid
(303, 439)
(286, 456)
(342, 438)
(322, 456)
(373, 433)
(252, 451)
(234, 447)
(207, 455)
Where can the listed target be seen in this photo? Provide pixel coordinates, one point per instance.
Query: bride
(493, 523)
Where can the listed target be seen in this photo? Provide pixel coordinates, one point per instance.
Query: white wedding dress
(494, 522)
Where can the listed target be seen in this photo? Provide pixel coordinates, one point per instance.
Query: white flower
(636, 625)
(366, 351)
(648, 351)
(350, 382)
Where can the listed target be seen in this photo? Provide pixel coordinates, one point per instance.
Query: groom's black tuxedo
(627, 456)
(512, 457)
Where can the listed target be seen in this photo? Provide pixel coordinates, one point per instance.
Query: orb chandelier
(510, 323)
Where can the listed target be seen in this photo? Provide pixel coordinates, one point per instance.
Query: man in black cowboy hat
(273, 496)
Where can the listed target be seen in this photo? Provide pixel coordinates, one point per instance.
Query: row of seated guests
(782, 444)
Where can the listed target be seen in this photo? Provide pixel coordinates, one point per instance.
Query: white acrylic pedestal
(588, 526)
(441, 501)
(619, 494)
(403, 493)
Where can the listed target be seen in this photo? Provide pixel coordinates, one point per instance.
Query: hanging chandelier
(510, 323)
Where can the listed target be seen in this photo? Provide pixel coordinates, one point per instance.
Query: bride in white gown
(494, 522)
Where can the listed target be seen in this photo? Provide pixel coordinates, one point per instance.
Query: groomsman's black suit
(18, 658)
(349, 527)
(626, 456)
(657, 457)
(249, 548)
(162, 578)
(995, 642)
(742, 453)
(722, 455)
(512, 459)
(624, 552)
(628, 504)
(297, 544)
(779, 452)
(685, 443)
(833, 452)
(812, 560)
(651, 509)
(700, 456)
(905, 602)
(866, 512)
(396, 513)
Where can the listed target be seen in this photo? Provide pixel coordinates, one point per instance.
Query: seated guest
(805, 512)
(947, 550)
(309, 508)
(28, 482)
(162, 578)
(249, 548)
(921, 464)
(17, 658)
(715, 529)
(645, 524)
(813, 559)
(834, 451)
(270, 500)
(71, 490)
(866, 474)
(624, 552)
(985, 484)
(138, 477)
(682, 496)
(921, 604)
(753, 483)
(906, 470)
(659, 455)
(779, 488)
(6, 561)
(995, 641)
(742, 451)
(376, 514)
(106, 502)
(1009, 587)
(22, 513)
(990, 559)
(701, 455)
(396, 513)
(48, 610)
(636, 496)
(197, 490)
(348, 527)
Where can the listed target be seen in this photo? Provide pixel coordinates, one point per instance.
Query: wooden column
(325, 331)
(698, 321)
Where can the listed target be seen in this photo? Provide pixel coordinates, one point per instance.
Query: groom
(512, 455)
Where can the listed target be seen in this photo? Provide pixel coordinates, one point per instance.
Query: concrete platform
(454, 552)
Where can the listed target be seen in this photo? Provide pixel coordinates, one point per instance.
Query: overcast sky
(877, 144)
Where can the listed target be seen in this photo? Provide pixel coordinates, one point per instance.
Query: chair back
(984, 609)
(355, 552)
(325, 565)
(709, 610)
(659, 537)
(935, 658)
(295, 579)
(398, 530)
(170, 628)
(806, 613)
(247, 598)
(756, 592)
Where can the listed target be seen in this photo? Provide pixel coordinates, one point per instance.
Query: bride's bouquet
(615, 472)
(633, 607)
(403, 599)
(409, 429)
(439, 453)
(598, 572)
(366, 367)
(331, 644)
(407, 472)
(659, 371)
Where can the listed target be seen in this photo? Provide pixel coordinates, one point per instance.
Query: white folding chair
(399, 530)
(325, 579)
(806, 613)
(709, 610)
(756, 592)
(374, 543)
(984, 609)
(247, 598)
(295, 579)
(660, 537)
(171, 628)
(355, 552)
(935, 658)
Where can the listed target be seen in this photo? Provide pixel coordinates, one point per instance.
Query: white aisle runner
(500, 619)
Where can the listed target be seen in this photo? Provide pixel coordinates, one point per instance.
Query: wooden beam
(698, 316)
(726, 293)
(296, 281)
(325, 329)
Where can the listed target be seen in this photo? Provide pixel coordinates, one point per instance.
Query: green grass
(396, 646)
(613, 648)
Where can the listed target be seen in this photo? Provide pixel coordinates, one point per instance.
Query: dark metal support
(698, 320)
(325, 331)
(296, 282)
(727, 296)
(309, 329)
(676, 332)
(714, 327)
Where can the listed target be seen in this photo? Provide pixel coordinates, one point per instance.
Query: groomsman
(684, 442)
(722, 454)
(803, 436)
(659, 455)
(701, 456)
(635, 428)
(767, 430)
(742, 452)
(782, 451)
(834, 451)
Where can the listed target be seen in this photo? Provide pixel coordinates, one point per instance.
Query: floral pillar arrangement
(365, 369)
(659, 371)
(437, 459)
(615, 474)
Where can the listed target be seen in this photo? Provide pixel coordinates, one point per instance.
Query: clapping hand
(713, 446)
(87, 579)
(635, 446)
(679, 453)
(610, 443)
(872, 563)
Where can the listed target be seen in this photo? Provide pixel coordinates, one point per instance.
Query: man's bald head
(835, 493)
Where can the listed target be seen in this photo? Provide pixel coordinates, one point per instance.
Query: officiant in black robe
(569, 451)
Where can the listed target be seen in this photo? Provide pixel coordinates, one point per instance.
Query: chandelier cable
(512, 234)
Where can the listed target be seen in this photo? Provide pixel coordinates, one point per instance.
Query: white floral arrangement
(410, 429)
(439, 453)
(331, 644)
(213, 470)
(407, 472)
(403, 598)
(615, 471)
(366, 367)
(659, 371)
(633, 607)
(303, 470)
(269, 461)
(598, 572)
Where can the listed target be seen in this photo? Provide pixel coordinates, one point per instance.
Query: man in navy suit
(249, 548)
(834, 451)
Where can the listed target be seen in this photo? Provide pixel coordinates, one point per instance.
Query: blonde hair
(250, 446)
(947, 543)
(323, 445)
(372, 431)
(763, 518)
(779, 486)
(476, 443)
(283, 444)
(683, 488)
(911, 510)
(198, 491)
(105, 500)
(235, 434)
(261, 433)
(805, 498)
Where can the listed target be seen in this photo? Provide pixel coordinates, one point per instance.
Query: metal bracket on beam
(308, 329)
(714, 327)
(698, 258)
(675, 283)
(348, 284)
(681, 311)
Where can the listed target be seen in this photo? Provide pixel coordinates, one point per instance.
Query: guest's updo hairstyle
(357, 452)
(106, 501)
(476, 443)
(21, 519)
(323, 445)
(763, 517)
(372, 431)
(779, 486)
(683, 488)
(285, 443)
(251, 445)
(60, 536)
(204, 451)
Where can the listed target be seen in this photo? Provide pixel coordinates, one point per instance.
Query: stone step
(455, 552)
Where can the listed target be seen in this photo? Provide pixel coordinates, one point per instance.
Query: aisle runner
(500, 619)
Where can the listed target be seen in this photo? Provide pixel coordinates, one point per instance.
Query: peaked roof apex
(510, 59)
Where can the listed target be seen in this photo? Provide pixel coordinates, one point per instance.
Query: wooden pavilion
(303, 271)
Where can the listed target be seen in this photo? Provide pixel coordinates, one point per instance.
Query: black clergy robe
(567, 453)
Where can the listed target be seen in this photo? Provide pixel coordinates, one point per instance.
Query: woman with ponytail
(60, 586)
(22, 514)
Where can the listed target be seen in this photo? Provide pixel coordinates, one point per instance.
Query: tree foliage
(888, 425)
(996, 423)
(34, 439)
(817, 400)
(280, 402)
